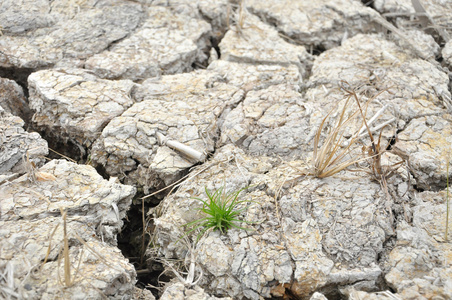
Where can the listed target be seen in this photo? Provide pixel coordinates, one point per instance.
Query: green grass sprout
(221, 210)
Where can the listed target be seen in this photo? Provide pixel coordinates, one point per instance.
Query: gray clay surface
(103, 102)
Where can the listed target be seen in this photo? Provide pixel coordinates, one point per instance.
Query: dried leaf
(44, 176)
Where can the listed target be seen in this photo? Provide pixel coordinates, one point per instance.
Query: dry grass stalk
(447, 199)
(186, 178)
(403, 36)
(332, 157)
(427, 22)
(62, 155)
(67, 261)
(68, 282)
(7, 285)
(238, 19)
(70, 279)
(189, 265)
(375, 150)
(49, 248)
(143, 237)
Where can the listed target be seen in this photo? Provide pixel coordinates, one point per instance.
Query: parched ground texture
(148, 95)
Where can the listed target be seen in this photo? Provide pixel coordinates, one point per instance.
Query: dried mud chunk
(77, 188)
(312, 266)
(370, 64)
(334, 238)
(420, 266)
(426, 43)
(216, 12)
(16, 144)
(373, 60)
(257, 43)
(16, 17)
(426, 141)
(184, 108)
(447, 53)
(13, 100)
(98, 270)
(248, 258)
(76, 105)
(256, 76)
(272, 121)
(167, 43)
(351, 217)
(179, 291)
(402, 6)
(61, 32)
(320, 23)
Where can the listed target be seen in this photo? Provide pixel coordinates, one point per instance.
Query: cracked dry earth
(97, 96)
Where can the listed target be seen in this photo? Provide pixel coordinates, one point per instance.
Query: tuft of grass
(332, 157)
(335, 155)
(221, 210)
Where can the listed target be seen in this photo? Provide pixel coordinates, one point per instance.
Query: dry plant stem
(50, 247)
(143, 219)
(67, 262)
(62, 155)
(377, 114)
(383, 22)
(189, 281)
(373, 129)
(7, 290)
(389, 295)
(68, 282)
(186, 177)
(381, 126)
(95, 253)
(375, 153)
(191, 270)
(278, 191)
(447, 200)
(426, 20)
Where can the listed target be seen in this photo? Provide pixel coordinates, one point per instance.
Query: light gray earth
(78, 105)
(210, 94)
(18, 146)
(33, 233)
